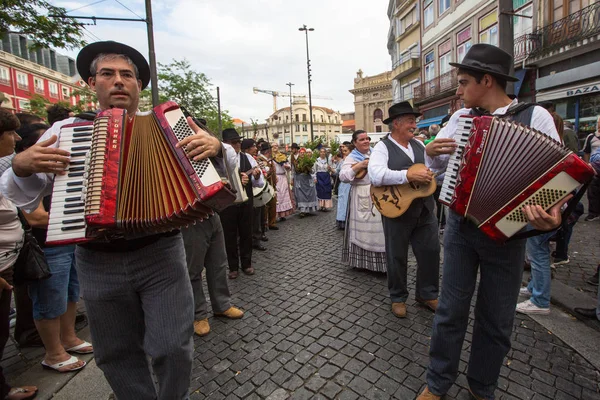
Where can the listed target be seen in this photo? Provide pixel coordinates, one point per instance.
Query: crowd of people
(131, 285)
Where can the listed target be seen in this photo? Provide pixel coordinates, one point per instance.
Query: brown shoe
(201, 328)
(231, 313)
(248, 271)
(233, 274)
(431, 304)
(399, 310)
(427, 395)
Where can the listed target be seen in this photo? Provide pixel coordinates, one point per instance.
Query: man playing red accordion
(482, 78)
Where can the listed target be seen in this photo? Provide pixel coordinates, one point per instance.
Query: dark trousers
(271, 212)
(237, 221)
(258, 223)
(467, 250)
(25, 331)
(594, 196)
(440, 214)
(563, 237)
(420, 230)
(5, 296)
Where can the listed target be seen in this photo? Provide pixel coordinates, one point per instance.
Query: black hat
(295, 146)
(264, 146)
(247, 143)
(92, 50)
(230, 134)
(399, 109)
(488, 59)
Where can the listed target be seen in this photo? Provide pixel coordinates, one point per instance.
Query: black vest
(245, 166)
(399, 161)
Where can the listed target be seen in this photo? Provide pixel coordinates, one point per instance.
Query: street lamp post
(306, 30)
(290, 84)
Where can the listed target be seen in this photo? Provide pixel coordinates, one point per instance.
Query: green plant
(334, 146)
(306, 162)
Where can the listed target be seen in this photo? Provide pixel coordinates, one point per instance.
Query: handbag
(31, 265)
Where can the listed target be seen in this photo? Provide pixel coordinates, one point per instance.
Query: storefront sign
(583, 90)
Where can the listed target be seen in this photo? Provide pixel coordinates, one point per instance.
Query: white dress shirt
(540, 120)
(232, 160)
(379, 172)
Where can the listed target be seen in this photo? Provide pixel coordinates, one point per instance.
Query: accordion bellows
(136, 181)
(503, 166)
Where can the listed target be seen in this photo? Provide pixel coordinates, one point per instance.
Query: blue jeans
(50, 296)
(467, 250)
(538, 250)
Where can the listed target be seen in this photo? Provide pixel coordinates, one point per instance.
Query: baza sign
(583, 90)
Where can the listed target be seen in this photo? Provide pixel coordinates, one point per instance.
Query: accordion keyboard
(66, 220)
(461, 137)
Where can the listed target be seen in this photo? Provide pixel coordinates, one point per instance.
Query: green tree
(334, 145)
(24, 16)
(190, 89)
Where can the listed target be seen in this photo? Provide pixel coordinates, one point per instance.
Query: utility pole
(306, 30)
(219, 109)
(290, 84)
(506, 39)
(153, 70)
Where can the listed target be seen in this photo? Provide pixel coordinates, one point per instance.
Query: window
(462, 50)
(304, 129)
(22, 81)
(38, 84)
(443, 6)
(297, 128)
(427, 13)
(429, 67)
(297, 116)
(378, 128)
(4, 76)
(304, 138)
(322, 118)
(53, 89)
(488, 28)
(408, 89)
(66, 93)
(408, 20)
(303, 117)
(445, 63)
(522, 25)
(378, 115)
(23, 104)
(463, 40)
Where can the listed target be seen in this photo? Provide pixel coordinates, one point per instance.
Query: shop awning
(520, 73)
(430, 121)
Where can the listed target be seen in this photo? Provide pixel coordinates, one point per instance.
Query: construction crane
(276, 94)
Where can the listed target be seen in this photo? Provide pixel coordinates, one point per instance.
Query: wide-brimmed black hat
(230, 134)
(295, 146)
(488, 59)
(247, 143)
(92, 50)
(264, 146)
(398, 109)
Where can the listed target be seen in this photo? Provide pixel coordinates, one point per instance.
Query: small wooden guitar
(393, 201)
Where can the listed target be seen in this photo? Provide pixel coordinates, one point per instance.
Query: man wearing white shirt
(389, 163)
(482, 78)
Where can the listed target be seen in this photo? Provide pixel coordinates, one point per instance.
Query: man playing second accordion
(482, 78)
(137, 292)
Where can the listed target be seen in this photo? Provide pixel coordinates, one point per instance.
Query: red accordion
(126, 177)
(501, 166)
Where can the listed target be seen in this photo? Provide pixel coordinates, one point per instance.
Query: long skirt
(284, 197)
(342, 204)
(324, 189)
(305, 193)
(364, 241)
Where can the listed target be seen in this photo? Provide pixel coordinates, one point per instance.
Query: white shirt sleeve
(543, 122)
(231, 158)
(379, 173)
(256, 182)
(26, 193)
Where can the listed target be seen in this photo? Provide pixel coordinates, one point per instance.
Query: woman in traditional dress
(364, 243)
(343, 189)
(285, 206)
(323, 170)
(304, 183)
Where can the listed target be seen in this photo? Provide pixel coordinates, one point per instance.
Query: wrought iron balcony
(440, 85)
(39, 90)
(578, 26)
(408, 63)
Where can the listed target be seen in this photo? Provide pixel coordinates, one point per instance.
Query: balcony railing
(404, 57)
(5, 82)
(39, 90)
(437, 85)
(567, 31)
(23, 86)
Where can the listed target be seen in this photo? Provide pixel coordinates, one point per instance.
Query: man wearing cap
(270, 216)
(137, 291)
(389, 163)
(482, 78)
(237, 218)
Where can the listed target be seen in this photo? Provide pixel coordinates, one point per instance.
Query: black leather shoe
(259, 247)
(273, 228)
(264, 238)
(589, 313)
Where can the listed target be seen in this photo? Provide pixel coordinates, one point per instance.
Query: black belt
(122, 245)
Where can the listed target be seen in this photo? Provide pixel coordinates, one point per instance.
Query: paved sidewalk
(316, 329)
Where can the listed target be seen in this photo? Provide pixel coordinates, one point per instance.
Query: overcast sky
(240, 44)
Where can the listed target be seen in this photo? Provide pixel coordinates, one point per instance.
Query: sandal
(21, 393)
(77, 349)
(62, 364)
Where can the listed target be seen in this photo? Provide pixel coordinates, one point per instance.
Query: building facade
(564, 53)
(372, 99)
(25, 73)
(404, 47)
(287, 128)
